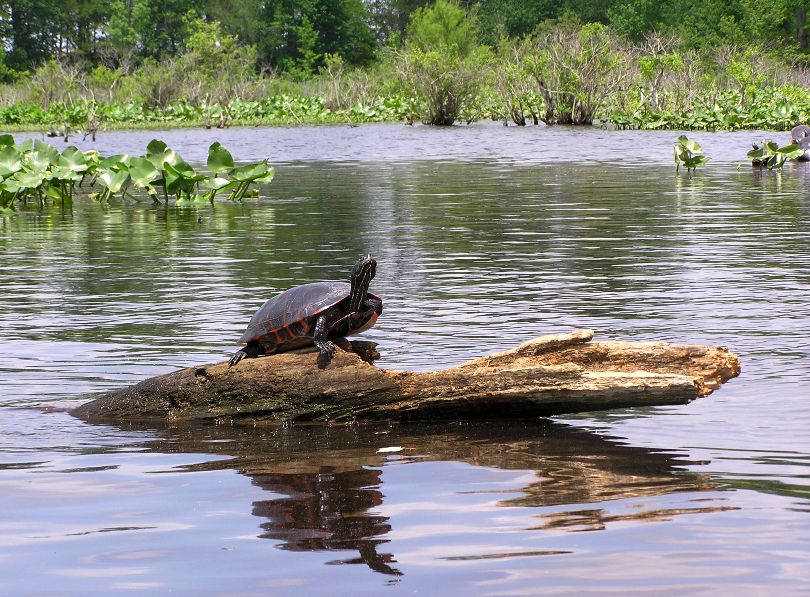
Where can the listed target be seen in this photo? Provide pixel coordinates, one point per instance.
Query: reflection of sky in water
(471, 253)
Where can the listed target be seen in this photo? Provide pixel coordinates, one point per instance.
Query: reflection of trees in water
(330, 478)
(327, 511)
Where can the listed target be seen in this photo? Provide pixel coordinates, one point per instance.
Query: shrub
(443, 63)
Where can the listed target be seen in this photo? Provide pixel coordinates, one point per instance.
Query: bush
(576, 70)
(443, 65)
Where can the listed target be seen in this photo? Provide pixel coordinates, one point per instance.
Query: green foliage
(443, 63)
(768, 154)
(298, 34)
(202, 73)
(516, 89)
(769, 108)
(514, 18)
(446, 27)
(126, 27)
(633, 20)
(294, 36)
(443, 85)
(575, 71)
(35, 170)
(689, 153)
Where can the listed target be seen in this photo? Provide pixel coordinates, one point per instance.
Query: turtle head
(362, 274)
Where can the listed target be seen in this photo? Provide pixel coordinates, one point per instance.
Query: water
(485, 237)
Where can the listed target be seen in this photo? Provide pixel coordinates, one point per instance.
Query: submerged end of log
(549, 375)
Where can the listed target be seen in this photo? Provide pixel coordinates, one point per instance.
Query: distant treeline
(635, 63)
(296, 36)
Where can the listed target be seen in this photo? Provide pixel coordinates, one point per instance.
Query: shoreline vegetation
(444, 63)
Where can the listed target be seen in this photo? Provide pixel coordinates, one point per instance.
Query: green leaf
(194, 199)
(113, 180)
(93, 160)
(271, 172)
(46, 151)
(219, 159)
(181, 178)
(54, 193)
(10, 185)
(164, 157)
(73, 159)
(143, 172)
(220, 185)
(791, 151)
(250, 172)
(28, 179)
(155, 146)
(63, 173)
(114, 162)
(6, 141)
(9, 160)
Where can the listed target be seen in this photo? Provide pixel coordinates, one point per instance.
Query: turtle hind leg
(252, 350)
(326, 350)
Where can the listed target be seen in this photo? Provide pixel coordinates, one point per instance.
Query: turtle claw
(326, 350)
(237, 356)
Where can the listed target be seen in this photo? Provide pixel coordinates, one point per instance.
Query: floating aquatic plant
(689, 153)
(35, 170)
(770, 155)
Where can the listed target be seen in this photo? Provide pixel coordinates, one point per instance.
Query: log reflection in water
(331, 478)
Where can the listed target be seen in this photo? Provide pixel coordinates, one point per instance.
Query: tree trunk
(549, 375)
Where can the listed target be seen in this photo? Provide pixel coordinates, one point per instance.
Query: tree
(163, 32)
(390, 18)
(443, 62)
(216, 60)
(785, 19)
(32, 30)
(124, 27)
(576, 70)
(511, 18)
(80, 23)
(241, 19)
(445, 25)
(300, 33)
(635, 20)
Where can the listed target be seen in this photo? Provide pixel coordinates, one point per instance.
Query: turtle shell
(286, 321)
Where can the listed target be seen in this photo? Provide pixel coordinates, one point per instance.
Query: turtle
(800, 135)
(317, 313)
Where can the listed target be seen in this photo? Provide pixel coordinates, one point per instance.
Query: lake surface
(485, 236)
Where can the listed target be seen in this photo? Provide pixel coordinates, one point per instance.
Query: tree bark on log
(550, 375)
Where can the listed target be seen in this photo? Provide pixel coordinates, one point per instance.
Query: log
(550, 375)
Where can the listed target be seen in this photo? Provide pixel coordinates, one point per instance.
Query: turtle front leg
(363, 348)
(326, 348)
(252, 350)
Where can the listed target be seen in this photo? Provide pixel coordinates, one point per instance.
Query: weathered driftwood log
(549, 375)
